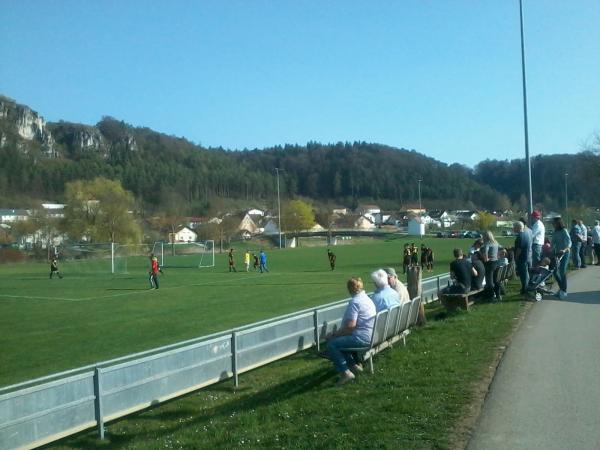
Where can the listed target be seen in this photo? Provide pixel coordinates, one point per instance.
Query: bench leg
(371, 364)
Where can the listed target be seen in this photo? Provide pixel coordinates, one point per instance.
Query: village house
(13, 215)
(183, 235)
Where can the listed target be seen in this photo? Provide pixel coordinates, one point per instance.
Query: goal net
(128, 257)
(185, 254)
(84, 258)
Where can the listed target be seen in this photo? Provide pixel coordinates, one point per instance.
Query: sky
(442, 77)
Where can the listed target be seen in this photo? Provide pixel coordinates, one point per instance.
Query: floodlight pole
(277, 169)
(420, 208)
(525, 125)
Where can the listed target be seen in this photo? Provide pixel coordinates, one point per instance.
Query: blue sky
(439, 76)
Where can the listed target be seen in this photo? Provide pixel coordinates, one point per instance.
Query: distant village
(257, 222)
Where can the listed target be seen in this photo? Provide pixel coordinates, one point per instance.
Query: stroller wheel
(538, 296)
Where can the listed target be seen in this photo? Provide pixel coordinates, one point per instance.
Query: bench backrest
(392, 321)
(414, 311)
(379, 327)
(403, 317)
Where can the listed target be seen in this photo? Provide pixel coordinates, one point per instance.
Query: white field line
(123, 294)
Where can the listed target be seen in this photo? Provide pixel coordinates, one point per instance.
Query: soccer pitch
(91, 316)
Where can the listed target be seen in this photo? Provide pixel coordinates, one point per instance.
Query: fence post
(98, 402)
(234, 361)
(316, 324)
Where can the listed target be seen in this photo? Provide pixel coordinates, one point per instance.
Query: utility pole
(525, 125)
(277, 169)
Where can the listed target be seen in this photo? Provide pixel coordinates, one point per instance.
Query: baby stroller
(537, 282)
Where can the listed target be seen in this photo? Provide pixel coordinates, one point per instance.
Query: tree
(100, 210)
(484, 221)
(298, 216)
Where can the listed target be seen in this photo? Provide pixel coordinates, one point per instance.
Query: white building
(416, 227)
(184, 235)
(13, 215)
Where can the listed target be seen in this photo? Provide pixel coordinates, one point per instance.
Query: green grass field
(90, 315)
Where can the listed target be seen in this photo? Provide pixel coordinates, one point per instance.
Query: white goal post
(185, 254)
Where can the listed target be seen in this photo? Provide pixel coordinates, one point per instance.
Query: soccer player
(263, 261)
(153, 272)
(256, 263)
(54, 268)
(332, 258)
(247, 260)
(231, 260)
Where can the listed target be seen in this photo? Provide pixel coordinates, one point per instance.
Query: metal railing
(46, 409)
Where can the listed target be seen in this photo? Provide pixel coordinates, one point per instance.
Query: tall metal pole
(528, 161)
(566, 202)
(420, 208)
(278, 205)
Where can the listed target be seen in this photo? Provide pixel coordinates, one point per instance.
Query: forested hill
(37, 159)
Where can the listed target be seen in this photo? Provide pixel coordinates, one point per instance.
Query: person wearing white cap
(538, 232)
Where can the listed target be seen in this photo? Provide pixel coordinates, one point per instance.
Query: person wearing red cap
(538, 232)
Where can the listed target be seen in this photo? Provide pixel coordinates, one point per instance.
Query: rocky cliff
(27, 131)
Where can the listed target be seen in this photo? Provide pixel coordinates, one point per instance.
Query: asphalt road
(546, 392)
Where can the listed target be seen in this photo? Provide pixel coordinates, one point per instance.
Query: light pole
(527, 160)
(566, 201)
(277, 169)
(420, 209)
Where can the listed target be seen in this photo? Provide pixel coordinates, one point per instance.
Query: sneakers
(356, 369)
(562, 295)
(345, 377)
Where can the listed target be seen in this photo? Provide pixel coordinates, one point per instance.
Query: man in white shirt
(538, 233)
(596, 241)
(584, 241)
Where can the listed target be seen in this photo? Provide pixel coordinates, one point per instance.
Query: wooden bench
(453, 301)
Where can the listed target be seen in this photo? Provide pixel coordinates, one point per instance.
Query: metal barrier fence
(44, 410)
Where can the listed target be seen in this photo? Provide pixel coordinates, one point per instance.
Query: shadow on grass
(267, 395)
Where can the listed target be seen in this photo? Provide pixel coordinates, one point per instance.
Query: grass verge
(418, 397)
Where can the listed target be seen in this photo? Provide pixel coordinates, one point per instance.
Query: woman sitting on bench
(356, 331)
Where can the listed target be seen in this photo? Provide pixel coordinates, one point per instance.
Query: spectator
(547, 249)
(384, 296)
(596, 241)
(356, 331)
(475, 247)
(477, 279)
(561, 245)
(502, 257)
(538, 233)
(522, 253)
(397, 285)
(489, 252)
(584, 239)
(576, 238)
(461, 272)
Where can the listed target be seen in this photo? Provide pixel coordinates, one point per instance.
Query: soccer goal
(125, 257)
(185, 254)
